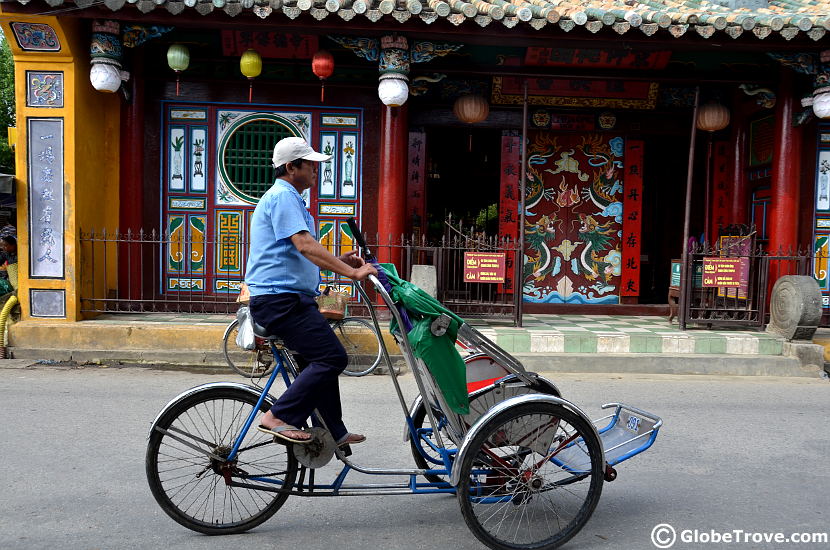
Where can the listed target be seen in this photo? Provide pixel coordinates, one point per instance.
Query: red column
(392, 184)
(131, 188)
(739, 203)
(783, 220)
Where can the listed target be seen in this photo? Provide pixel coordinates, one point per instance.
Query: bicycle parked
(358, 336)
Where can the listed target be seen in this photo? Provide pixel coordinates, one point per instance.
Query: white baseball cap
(292, 148)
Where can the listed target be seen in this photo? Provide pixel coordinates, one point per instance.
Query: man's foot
(282, 430)
(351, 439)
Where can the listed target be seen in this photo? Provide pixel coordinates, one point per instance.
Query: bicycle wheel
(255, 363)
(362, 344)
(532, 478)
(190, 486)
(416, 445)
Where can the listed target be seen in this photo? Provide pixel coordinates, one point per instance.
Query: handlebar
(361, 241)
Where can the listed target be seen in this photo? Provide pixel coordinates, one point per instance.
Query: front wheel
(362, 344)
(191, 486)
(532, 478)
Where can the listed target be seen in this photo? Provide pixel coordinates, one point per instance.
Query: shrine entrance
(574, 218)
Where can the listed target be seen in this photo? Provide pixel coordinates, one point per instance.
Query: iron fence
(753, 272)
(181, 272)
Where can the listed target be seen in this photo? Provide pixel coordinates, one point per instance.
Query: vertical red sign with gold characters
(632, 218)
(720, 189)
(416, 173)
(509, 202)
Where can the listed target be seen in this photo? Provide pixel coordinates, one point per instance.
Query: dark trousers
(295, 319)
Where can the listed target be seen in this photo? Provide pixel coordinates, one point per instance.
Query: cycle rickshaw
(526, 465)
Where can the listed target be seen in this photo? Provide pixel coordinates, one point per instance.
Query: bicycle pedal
(346, 450)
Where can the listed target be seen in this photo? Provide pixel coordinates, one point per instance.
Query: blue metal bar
(280, 368)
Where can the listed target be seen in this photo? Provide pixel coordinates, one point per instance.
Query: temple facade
(145, 131)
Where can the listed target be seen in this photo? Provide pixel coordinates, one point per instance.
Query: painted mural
(573, 218)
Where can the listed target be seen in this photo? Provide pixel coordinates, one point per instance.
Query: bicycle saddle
(260, 331)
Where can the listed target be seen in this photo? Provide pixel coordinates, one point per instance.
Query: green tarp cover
(437, 352)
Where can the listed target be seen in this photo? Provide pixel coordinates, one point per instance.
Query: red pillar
(739, 204)
(392, 184)
(131, 188)
(783, 220)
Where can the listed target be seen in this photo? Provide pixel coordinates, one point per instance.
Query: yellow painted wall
(91, 153)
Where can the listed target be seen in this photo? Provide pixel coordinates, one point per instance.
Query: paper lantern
(105, 78)
(251, 66)
(821, 102)
(471, 108)
(178, 59)
(712, 117)
(393, 90)
(322, 65)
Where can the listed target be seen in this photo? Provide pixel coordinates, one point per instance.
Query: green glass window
(246, 156)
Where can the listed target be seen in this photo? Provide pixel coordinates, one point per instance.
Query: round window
(245, 153)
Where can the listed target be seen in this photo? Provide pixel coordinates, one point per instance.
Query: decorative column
(392, 179)
(131, 187)
(739, 197)
(783, 224)
(393, 91)
(67, 155)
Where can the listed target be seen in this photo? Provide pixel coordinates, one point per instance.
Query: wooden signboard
(484, 267)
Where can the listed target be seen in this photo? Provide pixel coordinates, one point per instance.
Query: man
(283, 277)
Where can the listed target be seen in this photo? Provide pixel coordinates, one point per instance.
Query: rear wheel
(191, 486)
(532, 477)
(256, 363)
(362, 344)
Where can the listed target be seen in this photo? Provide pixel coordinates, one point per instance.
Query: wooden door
(573, 218)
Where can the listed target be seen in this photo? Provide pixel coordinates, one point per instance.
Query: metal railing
(129, 272)
(748, 304)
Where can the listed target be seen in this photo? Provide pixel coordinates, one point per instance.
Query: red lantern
(322, 64)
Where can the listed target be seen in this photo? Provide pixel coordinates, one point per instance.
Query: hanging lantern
(393, 89)
(471, 108)
(712, 117)
(251, 66)
(178, 58)
(322, 65)
(106, 53)
(821, 102)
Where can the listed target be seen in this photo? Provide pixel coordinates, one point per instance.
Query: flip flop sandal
(344, 441)
(277, 433)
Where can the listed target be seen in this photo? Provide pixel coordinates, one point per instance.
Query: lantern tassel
(250, 90)
(177, 83)
(322, 91)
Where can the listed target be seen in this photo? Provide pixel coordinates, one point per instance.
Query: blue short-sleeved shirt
(274, 263)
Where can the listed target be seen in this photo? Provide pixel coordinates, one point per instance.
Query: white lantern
(821, 102)
(105, 77)
(393, 90)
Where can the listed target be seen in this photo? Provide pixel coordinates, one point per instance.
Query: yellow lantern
(471, 108)
(251, 66)
(712, 117)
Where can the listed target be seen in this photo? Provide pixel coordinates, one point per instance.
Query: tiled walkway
(624, 334)
(564, 334)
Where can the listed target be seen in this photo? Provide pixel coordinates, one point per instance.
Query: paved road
(735, 453)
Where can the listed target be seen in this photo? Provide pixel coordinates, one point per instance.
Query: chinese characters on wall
(632, 218)
(46, 228)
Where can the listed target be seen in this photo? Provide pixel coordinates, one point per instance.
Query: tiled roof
(677, 18)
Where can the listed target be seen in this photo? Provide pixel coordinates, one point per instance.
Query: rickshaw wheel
(419, 420)
(532, 478)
